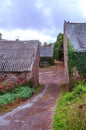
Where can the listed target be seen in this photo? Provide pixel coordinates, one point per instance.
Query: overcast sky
(38, 19)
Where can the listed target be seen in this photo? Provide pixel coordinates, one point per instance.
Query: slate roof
(76, 32)
(17, 56)
(46, 51)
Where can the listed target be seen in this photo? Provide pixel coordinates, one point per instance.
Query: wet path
(37, 114)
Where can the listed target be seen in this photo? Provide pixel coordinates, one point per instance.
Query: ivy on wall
(76, 59)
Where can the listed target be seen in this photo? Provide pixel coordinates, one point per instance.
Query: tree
(58, 47)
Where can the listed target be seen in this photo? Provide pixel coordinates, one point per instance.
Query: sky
(38, 19)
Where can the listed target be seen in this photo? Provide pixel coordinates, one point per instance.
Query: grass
(19, 92)
(71, 109)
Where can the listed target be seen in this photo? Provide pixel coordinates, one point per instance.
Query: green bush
(6, 98)
(19, 92)
(23, 92)
(58, 47)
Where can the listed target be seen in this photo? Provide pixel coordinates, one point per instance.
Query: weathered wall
(65, 59)
(10, 80)
(10, 76)
(76, 32)
(19, 78)
(35, 72)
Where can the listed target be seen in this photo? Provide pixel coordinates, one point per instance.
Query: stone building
(19, 61)
(76, 33)
(46, 55)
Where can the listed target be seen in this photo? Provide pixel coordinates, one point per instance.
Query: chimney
(17, 39)
(0, 36)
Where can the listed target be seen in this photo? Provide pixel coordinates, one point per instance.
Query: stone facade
(35, 70)
(76, 33)
(66, 59)
(19, 69)
(14, 76)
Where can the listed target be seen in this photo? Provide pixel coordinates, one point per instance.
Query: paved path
(37, 113)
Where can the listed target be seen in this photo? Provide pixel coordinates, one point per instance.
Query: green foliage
(19, 92)
(23, 92)
(6, 98)
(71, 109)
(70, 58)
(58, 47)
(81, 89)
(77, 59)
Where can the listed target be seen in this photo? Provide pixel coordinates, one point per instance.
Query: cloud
(21, 14)
(26, 35)
(45, 17)
(82, 4)
(35, 14)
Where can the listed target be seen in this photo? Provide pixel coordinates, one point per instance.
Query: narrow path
(37, 114)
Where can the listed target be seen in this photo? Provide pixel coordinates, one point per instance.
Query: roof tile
(17, 56)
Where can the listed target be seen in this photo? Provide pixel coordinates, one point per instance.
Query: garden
(14, 97)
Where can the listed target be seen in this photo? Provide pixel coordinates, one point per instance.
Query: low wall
(10, 80)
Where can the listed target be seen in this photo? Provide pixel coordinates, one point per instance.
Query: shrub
(11, 95)
(6, 98)
(23, 92)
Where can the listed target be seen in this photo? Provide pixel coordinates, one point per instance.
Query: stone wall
(66, 59)
(35, 70)
(13, 76)
(10, 79)
(76, 33)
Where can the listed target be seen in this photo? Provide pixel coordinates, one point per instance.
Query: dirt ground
(37, 113)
